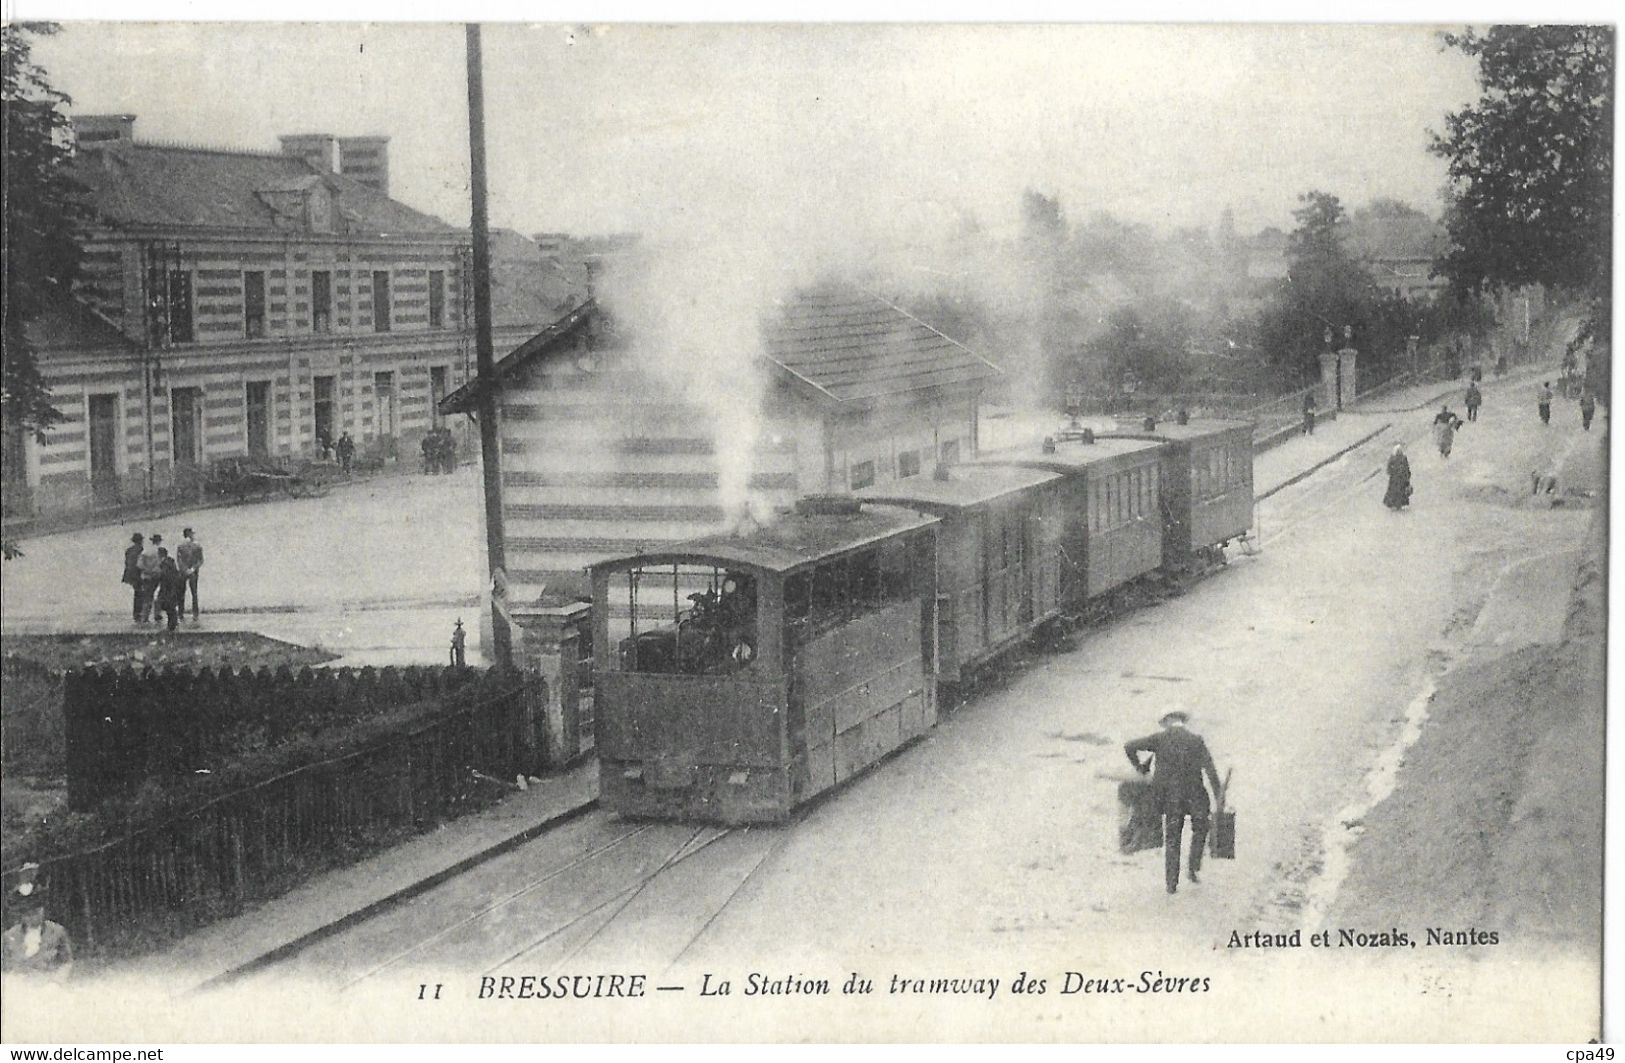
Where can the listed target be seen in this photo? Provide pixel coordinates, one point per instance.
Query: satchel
(1224, 825)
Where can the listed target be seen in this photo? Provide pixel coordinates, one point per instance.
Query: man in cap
(1180, 759)
(35, 945)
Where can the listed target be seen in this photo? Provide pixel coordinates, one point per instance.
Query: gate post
(1328, 381)
(1347, 359)
(550, 646)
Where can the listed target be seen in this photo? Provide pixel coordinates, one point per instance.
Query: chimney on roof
(366, 159)
(318, 149)
(90, 130)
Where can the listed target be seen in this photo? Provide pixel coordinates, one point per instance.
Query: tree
(42, 211)
(1531, 167)
(1325, 289)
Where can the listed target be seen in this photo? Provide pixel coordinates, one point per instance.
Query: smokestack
(320, 150)
(366, 159)
(90, 130)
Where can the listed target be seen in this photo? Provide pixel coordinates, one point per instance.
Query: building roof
(528, 284)
(852, 344)
(1408, 237)
(463, 400)
(137, 184)
(792, 541)
(843, 343)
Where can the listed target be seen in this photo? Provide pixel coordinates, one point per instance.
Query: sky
(831, 133)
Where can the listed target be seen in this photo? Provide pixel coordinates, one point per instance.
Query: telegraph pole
(485, 362)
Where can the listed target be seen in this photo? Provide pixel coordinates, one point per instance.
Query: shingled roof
(841, 342)
(141, 184)
(852, 344)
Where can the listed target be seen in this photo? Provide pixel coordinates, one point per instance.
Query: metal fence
(256, 841)
(125, 727)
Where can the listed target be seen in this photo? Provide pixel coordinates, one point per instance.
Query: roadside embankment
(1497, 820)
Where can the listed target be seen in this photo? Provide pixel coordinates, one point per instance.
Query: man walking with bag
(1179, 758)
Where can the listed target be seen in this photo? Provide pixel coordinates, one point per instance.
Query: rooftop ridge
(209, 149)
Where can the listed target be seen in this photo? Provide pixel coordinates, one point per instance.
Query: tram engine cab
(714, 635)
(737, 676)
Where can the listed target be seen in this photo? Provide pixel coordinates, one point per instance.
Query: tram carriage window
(839, 591)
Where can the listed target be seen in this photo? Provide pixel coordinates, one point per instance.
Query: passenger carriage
(1207, 485)
(1110, 499)
(998, 556)
(808, 654)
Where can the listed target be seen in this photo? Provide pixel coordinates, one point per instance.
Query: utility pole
(484, 361)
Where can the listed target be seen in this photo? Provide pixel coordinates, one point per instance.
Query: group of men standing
(158, 581)
(439, 451)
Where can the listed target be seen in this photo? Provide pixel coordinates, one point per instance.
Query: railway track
(602, 890)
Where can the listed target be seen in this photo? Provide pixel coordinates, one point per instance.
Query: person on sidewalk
(345, 449)
(132, 573)
(1475, 399)
(1543, 401)
(1445, 423)
(1398, 495)
(189, 558)
(150, 563)
(171, 589)
(1180, 759)
(1309, 413)
(1588, 409)
(34, 946)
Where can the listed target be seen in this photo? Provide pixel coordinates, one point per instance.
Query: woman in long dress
(1399, 479)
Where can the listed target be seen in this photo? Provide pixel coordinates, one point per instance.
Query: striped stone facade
(382, 384)
(234, 303)
(603, 462)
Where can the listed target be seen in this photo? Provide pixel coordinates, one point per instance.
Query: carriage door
(104, 442)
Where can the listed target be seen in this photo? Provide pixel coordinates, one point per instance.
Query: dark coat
(171, 584)
(1179, 759)
(132, 564)
(1399, 482)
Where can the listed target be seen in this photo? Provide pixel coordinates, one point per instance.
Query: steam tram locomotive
(814, 646)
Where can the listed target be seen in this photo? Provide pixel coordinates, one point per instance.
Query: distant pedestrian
(1180, 759)
(1399, 480)
(1543, 401)
(132, 573)
(1149, 424)
(1183, 416)
(345, 448)
(1588, 409)
(1475, 399)
(1309, 413)
(448, 451)
(430, 447)
(34, 946)
(150, 562)
(189, 557)
(171, 589)
(1445, 423)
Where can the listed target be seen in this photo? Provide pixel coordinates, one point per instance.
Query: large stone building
(603, 456)
(243, 302)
